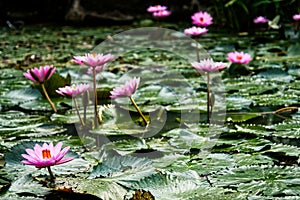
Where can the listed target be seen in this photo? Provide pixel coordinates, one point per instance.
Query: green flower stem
(208, 98)
(138, 109)
(52, 177)
(97, 120)
(77, 110)
(197, 51)
(85, 103)
(48, 98)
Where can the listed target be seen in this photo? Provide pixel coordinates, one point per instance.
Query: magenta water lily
(74, 91)
(202, 19)
(296, 17)
(239, 57)
(156, 8)
(163, 13)
(93, 60)
(208, 66)
(96, 63)
(195, 31)
(46, 155)
(128, 90)
(260, 19)
(40, 75)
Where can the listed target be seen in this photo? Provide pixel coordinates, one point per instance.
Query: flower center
(73, 87)
(46, 153)
(239, 57)
(201, 19)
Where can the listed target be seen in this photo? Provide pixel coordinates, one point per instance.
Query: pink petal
(26, 162)
(38, 151)
(61, 154)
(29, 158)
(64, 160)
(32, 153)
(28, 75)
(57, 149)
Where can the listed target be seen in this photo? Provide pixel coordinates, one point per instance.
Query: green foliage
(268, 181)
(54, 83)
(256, 149)
(103, 188)
(239, 14)
(123, 168)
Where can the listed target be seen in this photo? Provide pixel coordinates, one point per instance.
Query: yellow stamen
(46, 153)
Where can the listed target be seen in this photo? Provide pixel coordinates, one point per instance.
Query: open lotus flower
(195, 31)
(202, 19)
(239, 57)
(296, 17)
(93, 60)
(125, 90)
(96, 62)
(260, 19)
(162, 13)
(156, 8)
(208, 65)
(46, 155)
(40, 75)
(73, 90)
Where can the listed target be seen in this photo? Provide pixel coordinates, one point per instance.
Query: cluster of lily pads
(47, 155)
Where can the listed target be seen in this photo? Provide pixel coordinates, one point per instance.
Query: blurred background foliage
(235, 15)
(239, 14)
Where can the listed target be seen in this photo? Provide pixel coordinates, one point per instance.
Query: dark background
(111, 12)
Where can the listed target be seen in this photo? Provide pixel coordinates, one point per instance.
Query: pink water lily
(46, 155)
(296, 17)
(40, 75)
(239, 57)
(195, 31)
(93, 60)
(125, 90)
(96, 62)
(260, 19)
(208, 65)
(73, 90)
(162, 13)
(202, 19)
(156, 8)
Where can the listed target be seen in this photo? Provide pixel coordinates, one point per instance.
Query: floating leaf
(123, 168)
(27, 186)
(264, 180)
(105, 189)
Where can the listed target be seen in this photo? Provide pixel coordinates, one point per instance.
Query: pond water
(250, 150)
